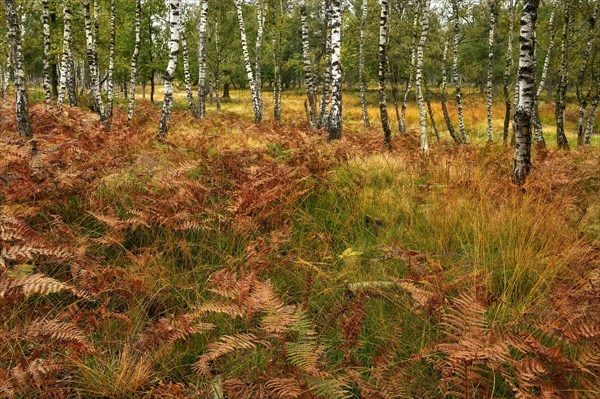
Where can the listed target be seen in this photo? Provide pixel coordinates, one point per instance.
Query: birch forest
(299, 199)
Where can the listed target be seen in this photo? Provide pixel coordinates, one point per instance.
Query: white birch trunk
(258, 54)
(202, 60)
(92, 58)
(22, 102)
(325, 95)
(165, 118)
(66, 55)
(277, 60)
(249, 73)
(419, 76)
(526, 83)
(47, 85)
(455, 75)
(187, 79)
(134, 60)
(413, 56)
(307, 67)
(111, 65)
(361, 64)
(383, 43)
(490, 75)
(218, 63)
(335, 116)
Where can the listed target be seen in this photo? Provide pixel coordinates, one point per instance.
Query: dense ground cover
(262, 261)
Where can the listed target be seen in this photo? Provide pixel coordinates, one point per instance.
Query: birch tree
(185, 58)
(508, 68)
(249, 73)
(111, 64)
(581, 98)
(92, 61)
(165, 118)
(563, 79)
(537, 124)
(66, 54)
(217, 64)
(413, 55)
(526, 83)
(277, 58)
(455, 75)
(419, 76)
(307, 67)
(444, 91)
(21, 99)
(361, 65)
(490, 76)
(325, 94)
(202, 60)
(335, 116)
(258, 53)
(383, 43)
(589, 130)
(47, 85)
(134, 59)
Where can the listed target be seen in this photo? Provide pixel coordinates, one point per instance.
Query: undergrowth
(245, 261)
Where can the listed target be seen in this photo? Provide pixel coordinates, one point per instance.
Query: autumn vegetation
(264, 261)
(360, 201)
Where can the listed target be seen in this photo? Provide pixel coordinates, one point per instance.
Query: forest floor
(237, 260)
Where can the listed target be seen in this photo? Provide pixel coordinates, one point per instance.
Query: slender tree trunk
(72, 78)
(589, 131)
(335, 116)
(92, 57)
(419, 76)
(277, 59)
(451, 129)
(111, 64)
(456, 77)
(432, 119)
(46, 30)
(53, 66)
(490, 74)
(258, 54)
(507, 70)
(2, 80)
(218, 63)
(526, 82)
(307, 66)
(255, 99)
(413, 57)
(187, 79)
(563, 80)
(581, 98)
(202, 60)
(537, 124)
(165, 118)
(325, 95)
(22, 102)
(134, 61)
(361, 65)
(66, 54)
(383, 43)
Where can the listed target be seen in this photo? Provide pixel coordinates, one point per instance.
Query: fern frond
(227, 344)
(57, 330)
(284, 388)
